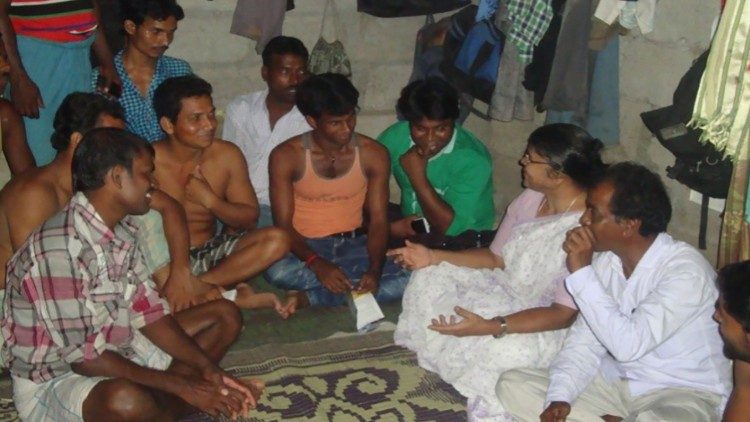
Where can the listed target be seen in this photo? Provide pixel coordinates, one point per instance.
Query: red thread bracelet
(310, 259)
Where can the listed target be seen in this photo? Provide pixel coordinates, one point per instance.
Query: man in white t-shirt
(259, 121)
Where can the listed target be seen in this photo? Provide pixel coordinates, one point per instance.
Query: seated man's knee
(227, 315)
(278, 242)
(510, 386)
(123, 400)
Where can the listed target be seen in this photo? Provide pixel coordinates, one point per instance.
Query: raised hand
(413, 256)
(579, 245)
(413, 160)
(198, 190)
(470, 324)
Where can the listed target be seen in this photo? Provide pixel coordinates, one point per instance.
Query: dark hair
(170, 93)
(159, 10)
(102, 149)
(571, 150)
(328, 93)
(735, 290)
(432, 98)
(639, 194)
(79, 112)
(284, 45)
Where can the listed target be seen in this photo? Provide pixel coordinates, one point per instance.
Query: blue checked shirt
(140, 116)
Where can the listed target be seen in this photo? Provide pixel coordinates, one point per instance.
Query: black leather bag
(398, 8)
(697, 165)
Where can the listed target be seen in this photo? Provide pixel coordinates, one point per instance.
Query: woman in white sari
(471, 315)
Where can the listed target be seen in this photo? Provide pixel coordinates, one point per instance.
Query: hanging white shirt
(639, 13)
(654, 329)
(247, 125)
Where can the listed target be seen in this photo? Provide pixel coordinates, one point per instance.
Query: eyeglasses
(526, 159)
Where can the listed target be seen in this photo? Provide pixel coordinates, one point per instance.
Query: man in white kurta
(259, 121)
(644, 347)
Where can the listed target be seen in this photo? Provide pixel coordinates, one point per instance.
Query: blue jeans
(351, 255)
(265, 218)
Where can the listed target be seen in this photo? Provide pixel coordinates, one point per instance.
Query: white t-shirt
(247, 125)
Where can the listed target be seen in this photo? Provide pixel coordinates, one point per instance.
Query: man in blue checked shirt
(149, 27)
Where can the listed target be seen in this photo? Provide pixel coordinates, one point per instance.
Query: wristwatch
(503, 326)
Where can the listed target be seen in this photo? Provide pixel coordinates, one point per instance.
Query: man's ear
(115, 175)
(75, 139)
(166, 125)
(630, 227)
(129, 27)
(312, 122)
(264, 73)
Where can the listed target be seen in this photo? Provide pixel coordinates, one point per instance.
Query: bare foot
(296, 300)
(248, 299)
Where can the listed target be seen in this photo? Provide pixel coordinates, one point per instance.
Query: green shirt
(461, 173)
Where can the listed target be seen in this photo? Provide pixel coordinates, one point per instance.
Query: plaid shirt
(140, 116)
(529, 21)
(75, 289)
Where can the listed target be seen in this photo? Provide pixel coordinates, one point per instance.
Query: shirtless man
(209, 177)
(31, 198)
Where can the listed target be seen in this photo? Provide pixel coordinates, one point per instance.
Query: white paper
(367, 309)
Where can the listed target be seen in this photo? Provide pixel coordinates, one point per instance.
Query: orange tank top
(325, 206)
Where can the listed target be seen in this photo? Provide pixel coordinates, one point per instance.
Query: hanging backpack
(329, 56)
(471, 54)
(398, 8)
(697, 165)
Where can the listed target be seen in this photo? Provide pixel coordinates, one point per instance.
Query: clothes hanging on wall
(722, 111)
(568, 85)
(723, 105)
(260, 20)
(601, 118)
(631, 14)
(537, 73)
(529, 21)
(510, 100)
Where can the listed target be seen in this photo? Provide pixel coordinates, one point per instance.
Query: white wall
(381, 53)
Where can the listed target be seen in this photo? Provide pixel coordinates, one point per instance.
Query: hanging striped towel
(722, 107)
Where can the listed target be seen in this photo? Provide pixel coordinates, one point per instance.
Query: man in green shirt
(444, 171)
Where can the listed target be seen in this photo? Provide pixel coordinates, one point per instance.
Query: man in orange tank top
(322, 184)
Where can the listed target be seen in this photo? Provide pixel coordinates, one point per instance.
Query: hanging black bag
(697, 165)
(399, 8)
(471, 54)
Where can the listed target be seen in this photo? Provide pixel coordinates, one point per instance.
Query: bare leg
(214, 326)
(118, 400)
(254, 252)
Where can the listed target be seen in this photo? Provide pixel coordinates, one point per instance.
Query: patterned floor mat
(355, 378)
(363, 382)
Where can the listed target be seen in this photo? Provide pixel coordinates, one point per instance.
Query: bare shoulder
(371, 146)
(30, 195)
(289, 149)
(225, 148)
(374, 154)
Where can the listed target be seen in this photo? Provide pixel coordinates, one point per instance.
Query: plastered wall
(381, 53)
